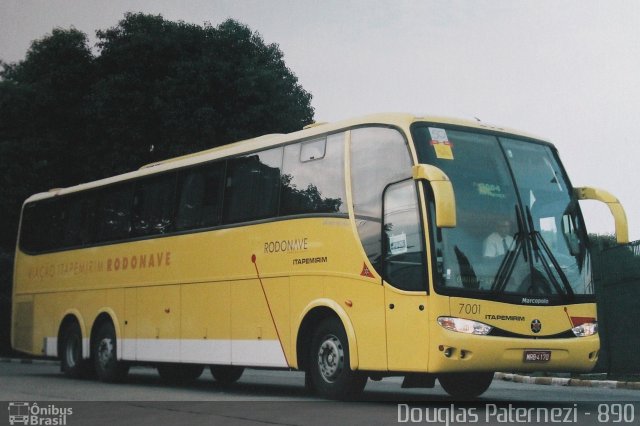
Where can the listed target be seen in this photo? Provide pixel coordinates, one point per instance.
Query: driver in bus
(500, 241)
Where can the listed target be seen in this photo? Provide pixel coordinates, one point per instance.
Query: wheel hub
(105, 351)
(331, 359)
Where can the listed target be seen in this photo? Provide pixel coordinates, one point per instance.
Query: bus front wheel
(465, 385)
(329, 369)
(106, 364)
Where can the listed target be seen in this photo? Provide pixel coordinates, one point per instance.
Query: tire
(226, 374)
(465, 385)
(105, 360)
(71, 362)
(329, 369)
(180, 374)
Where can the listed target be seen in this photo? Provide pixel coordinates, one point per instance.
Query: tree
(42, 121)
(154, 89)
(171, 88)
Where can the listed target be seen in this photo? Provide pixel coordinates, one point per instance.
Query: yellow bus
(390, 245)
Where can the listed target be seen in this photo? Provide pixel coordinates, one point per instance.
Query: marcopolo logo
(536, 326)
(32, 414)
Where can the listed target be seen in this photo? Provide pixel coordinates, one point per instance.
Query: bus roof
(401, 120)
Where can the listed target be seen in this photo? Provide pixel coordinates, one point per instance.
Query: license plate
(537, 356)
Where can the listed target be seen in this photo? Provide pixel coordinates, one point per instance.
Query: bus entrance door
(403, 270)
(407, 330)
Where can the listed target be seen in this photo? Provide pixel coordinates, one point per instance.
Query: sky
(568, 71)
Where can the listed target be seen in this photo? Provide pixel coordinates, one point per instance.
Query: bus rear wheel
(180, 374)
(71, 362)
(105, 361)
(465, 385)
(329, 369)
(226, 374)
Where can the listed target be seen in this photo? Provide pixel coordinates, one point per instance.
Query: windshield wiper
(538, 241)
(508, 265)
(509, 262)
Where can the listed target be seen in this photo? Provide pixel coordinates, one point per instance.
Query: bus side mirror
(444, 197)
(617, 211)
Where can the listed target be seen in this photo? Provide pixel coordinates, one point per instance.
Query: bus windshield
(519, 233)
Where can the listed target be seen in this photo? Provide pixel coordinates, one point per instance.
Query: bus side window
(153, 205)
(56, 231)
(113, 218)
(30, 237)
(200, 199)
(42, 225)
(379, 156)
(313, 177)
(79, 220)
(253, 186)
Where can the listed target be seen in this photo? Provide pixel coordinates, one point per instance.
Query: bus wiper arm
(509, 262)
(507, 266)
(556, 265)
(537, 241)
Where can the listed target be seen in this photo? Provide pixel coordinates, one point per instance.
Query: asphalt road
(264, 397)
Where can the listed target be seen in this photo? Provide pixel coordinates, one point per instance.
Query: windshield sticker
(490, 190)
(398, 243)
(441, 144)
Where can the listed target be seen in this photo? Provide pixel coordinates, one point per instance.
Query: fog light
(448, 352)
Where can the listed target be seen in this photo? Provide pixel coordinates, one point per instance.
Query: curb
(27, 361)
(560, 381)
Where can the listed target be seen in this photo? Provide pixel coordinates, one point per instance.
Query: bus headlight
(464, 326)
(586, 329)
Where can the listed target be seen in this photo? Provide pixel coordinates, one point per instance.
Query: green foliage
(600, 249)
(601, 242)
(42, 120)
(154, 89)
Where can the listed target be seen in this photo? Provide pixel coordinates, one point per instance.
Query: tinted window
(113, 218)
(379, 156)
(79, 219)
(56, 223)
(153, 205)
(241, 189)
(313, 177)
(200, 202)
(54, 210)
(253, 186)
(404, 265)
(29, 235)
(42, 225)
